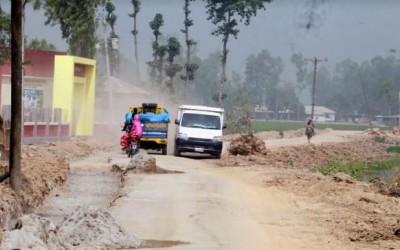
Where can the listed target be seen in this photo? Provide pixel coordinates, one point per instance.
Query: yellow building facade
(74, 92)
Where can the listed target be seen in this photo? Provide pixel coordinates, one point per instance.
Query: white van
(199, 129)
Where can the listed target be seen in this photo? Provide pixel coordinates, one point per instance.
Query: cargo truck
(155, 120)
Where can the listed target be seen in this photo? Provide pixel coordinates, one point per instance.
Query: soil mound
(314, 156)
(95, 228)
(85, 228)
(247, 145)
(43, 167)
(33, 232)
(142, 163)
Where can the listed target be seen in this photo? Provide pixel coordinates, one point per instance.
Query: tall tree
(349, 95)
(205, 84)
(190, 68)
(226, 15)
(16, 93)
(77, 20)
(262, 76)
(155, 25)
(111, 19)
(301, 71)
(173, 50)
(287, 99)
(136, 8)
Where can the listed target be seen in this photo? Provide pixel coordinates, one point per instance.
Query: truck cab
(199, 130)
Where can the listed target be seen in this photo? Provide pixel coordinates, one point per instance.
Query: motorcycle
(309, 133)
(133, 147)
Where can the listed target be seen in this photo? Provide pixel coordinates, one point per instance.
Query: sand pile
(85, 228)
(95, 228)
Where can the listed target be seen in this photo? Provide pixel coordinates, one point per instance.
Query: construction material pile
(247, 145)
(396, 131)
(95, 228)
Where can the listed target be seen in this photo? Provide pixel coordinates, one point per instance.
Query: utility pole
(110, 94)
(364, 91)
(16, 95)
(315, 60)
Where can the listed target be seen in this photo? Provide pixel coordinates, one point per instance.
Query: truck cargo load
(155, 120)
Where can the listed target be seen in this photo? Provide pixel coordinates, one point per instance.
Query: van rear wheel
(164, 150)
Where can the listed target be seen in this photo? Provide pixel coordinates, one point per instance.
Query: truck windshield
(201, 121)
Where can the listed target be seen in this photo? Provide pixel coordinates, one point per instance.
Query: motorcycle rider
(137, 130)
(128, 125)
(128, 119)
(310, 124)
(135, 133)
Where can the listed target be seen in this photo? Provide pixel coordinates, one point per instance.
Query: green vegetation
(361, 170)
(393, 149)
(258, 126)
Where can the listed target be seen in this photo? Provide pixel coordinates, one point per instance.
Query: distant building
(321, 113)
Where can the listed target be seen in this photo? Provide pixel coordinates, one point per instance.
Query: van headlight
(182, 136)
(217, 138)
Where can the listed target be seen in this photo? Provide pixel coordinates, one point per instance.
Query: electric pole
(315, 60)
(16, 95)
(108, 71)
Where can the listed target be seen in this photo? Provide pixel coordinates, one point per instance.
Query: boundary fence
(42, 125)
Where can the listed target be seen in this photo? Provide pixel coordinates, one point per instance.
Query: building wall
(324, 117)
(74, 91)
(38, 75)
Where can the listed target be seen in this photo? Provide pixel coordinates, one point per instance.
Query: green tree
(111, 18)
(158, 51)
(173, 50)
(206, 82)
(77, 20)
(113, 52)
(287, 99)
(226, 15)
(190, 68)
(41, 44)
(136, 9)
(348, 93)
(301, 71)
(262, 76)
(5, 36)
(239, 112)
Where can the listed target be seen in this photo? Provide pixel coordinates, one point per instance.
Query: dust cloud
(128, 91)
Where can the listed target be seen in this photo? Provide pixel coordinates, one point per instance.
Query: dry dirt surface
(270, 200)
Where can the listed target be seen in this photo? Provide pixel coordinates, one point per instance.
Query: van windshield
(201, 121)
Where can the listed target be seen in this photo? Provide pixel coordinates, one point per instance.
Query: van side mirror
(224, 126)
(176, 121)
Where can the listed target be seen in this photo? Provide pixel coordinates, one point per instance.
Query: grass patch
(270, 125)
(393, 149)
(362, 171)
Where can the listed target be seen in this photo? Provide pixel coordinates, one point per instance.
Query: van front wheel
(177, 152)
(217, 155)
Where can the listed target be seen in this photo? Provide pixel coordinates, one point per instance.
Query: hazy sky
(356, 29)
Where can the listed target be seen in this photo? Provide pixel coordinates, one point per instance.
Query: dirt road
(207, 207)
